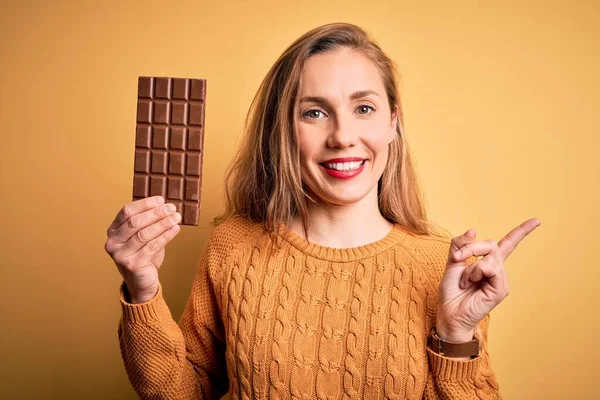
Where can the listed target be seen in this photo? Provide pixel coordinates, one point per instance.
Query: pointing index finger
(510, 242)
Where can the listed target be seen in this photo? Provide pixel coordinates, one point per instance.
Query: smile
(343, 170)
(346, 166)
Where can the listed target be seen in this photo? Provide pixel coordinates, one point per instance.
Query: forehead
(340, 72)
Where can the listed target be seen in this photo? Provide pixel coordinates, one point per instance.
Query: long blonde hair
(264, 182)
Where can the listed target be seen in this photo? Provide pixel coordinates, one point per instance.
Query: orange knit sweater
(301, 320)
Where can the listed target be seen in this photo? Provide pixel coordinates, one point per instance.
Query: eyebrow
(354, 96)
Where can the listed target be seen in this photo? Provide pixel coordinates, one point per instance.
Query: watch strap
(468, 349)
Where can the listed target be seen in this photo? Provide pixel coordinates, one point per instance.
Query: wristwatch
(468, 349)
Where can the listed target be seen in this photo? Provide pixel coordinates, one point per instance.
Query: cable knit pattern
(282, 330)
(355, 340)
(395, 387)
(297, 320)
(263, 327)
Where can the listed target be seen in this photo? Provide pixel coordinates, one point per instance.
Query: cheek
(378, 143)
(306, 147)
(378, 146)
(380, 135)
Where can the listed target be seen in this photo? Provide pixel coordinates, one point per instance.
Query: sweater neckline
(396, 234)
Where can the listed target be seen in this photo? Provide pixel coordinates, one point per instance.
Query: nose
(343, 133)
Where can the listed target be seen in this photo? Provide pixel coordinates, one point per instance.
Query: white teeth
(347, 166)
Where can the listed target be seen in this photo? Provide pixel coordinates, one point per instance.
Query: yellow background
(501, 102)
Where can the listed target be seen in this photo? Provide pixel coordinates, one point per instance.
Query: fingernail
(170, 207)
(457, 253)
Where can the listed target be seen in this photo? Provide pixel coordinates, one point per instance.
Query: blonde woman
(324, 279)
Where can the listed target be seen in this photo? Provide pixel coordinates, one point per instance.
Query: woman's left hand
(468, 293)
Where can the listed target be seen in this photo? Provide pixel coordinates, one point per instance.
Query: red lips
(343, 160)
(343, 174)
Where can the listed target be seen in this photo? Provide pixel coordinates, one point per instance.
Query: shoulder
(234, 230)
(233, 233)
(430, 248)
(431, 252)
(229, 238)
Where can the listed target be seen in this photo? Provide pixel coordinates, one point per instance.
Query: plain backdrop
(501, 103)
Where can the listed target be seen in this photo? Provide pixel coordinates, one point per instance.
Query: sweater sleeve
(451, 378)
(462, 379)
(169, 360)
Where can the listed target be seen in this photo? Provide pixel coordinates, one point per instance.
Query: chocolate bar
(169, 142)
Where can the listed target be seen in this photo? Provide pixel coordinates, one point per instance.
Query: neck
(344, 226)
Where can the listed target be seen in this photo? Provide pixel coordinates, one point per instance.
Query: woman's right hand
(136, 243)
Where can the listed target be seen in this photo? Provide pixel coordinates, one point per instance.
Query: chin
(344, 197)
(339, 193)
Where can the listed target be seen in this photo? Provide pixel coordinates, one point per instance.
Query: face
(344, 126)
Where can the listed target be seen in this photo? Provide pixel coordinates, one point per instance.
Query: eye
(312, 114)
(364, 109)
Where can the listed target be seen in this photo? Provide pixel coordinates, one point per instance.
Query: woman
(325, 278)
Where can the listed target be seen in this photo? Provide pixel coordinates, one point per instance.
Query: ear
(393, 123)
